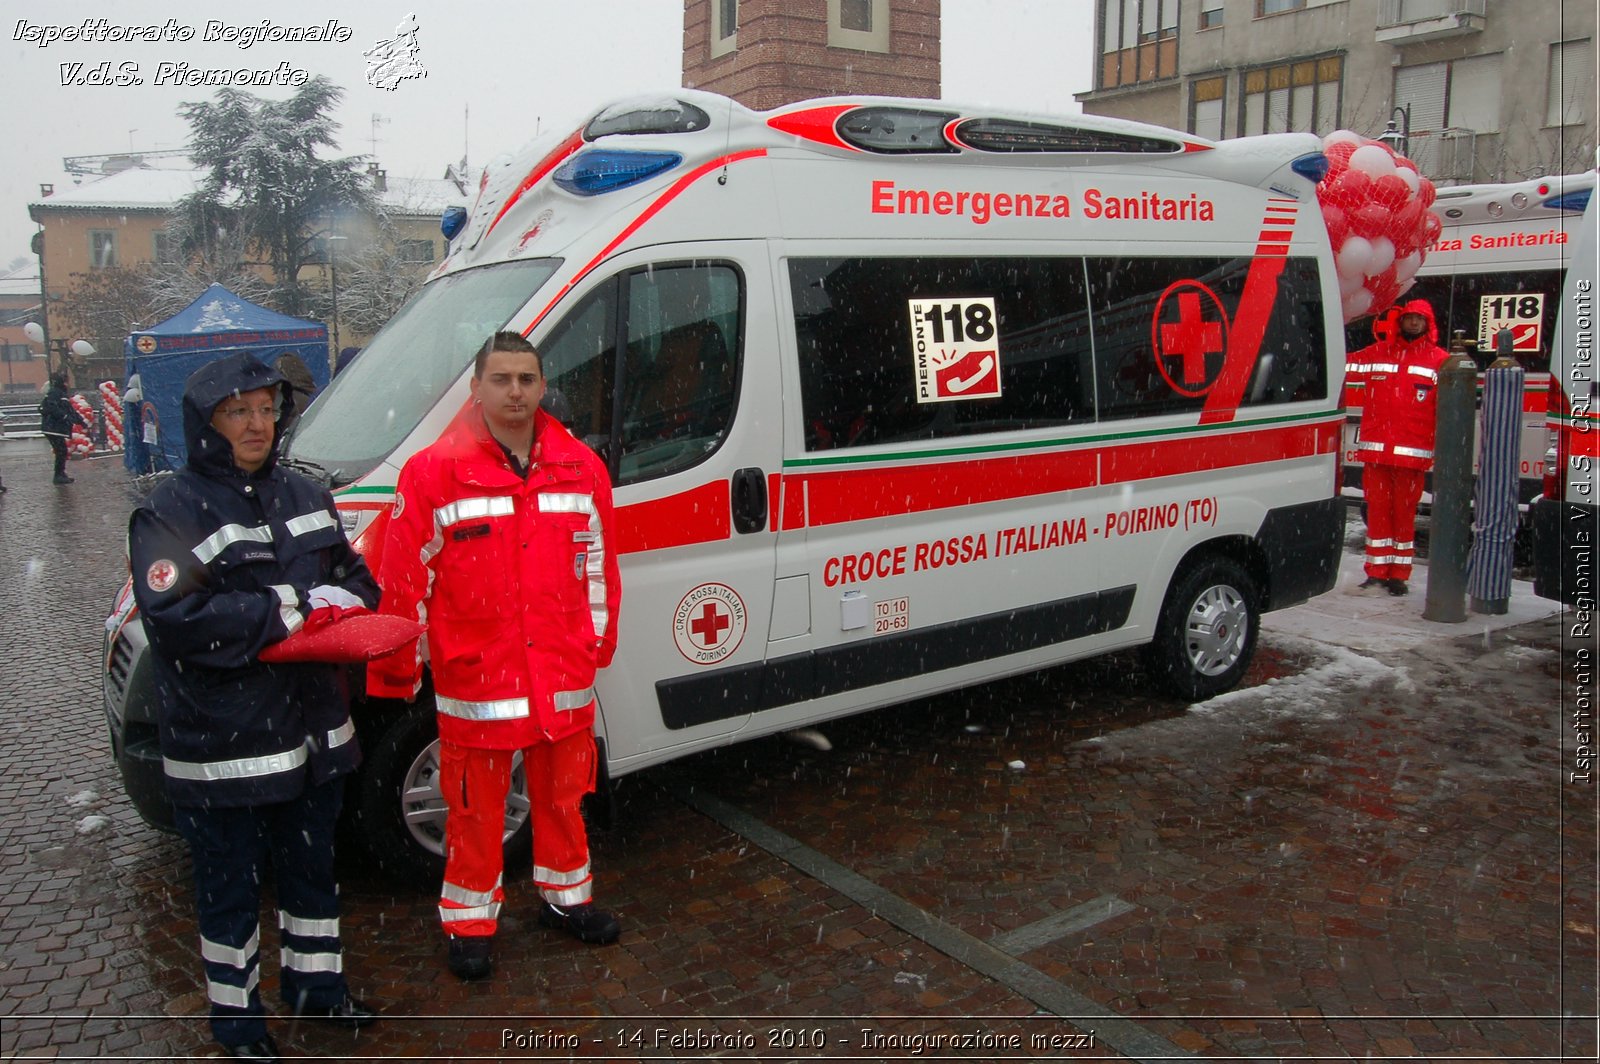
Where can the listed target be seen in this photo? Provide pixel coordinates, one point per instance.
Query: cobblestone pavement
(1347, 858)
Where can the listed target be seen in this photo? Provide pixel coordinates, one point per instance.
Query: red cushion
(344, 635)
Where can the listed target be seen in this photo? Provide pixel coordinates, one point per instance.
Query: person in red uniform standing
(501, 542)
(1399, 377)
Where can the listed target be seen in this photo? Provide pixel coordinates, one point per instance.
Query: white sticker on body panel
(956, 347)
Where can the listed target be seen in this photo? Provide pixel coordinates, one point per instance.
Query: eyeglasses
(238, 415)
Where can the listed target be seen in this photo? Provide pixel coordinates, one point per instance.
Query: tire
(396, 811)
(1206, 634)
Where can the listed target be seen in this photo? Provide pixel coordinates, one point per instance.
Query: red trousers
(475, 784)
(1392, 493)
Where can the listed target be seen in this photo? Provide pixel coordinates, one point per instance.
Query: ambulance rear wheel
(400, 808)
(1206, 634)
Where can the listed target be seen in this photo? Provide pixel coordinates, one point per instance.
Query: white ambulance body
(1566, 520)
(1498, 264)
(897, 397)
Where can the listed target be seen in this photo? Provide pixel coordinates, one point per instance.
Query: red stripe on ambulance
(649, 212)
(1250, 320)
(829, 498)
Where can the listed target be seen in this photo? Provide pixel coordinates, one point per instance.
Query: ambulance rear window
(1010, 135)
(897, 130)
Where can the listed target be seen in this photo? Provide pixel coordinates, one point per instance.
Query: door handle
(749, 500)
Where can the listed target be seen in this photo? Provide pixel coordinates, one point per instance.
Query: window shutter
(1422, 89)
(1571, 83)
(1475, 94)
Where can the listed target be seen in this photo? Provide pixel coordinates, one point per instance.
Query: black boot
(263, 1049)
(585, 922)
(1398, 587)
(351, 1012)
(469, 957)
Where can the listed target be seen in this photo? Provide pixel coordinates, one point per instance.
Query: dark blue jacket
(56, 413)
(222, 562)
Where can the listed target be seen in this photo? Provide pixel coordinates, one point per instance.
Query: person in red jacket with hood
(501, 542)
(1399, 379)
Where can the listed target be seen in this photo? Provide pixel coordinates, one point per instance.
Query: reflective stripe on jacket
(515, 578)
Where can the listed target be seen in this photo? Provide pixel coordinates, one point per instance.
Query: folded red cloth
(333, 634)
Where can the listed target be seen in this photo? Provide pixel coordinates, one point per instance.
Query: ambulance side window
(1025, 362)
(580, 368)
(681, 325)
(1161, 333)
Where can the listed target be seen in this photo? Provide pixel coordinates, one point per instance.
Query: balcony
(1402, 22)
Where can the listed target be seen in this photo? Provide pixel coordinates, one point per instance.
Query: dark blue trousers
(232, 851)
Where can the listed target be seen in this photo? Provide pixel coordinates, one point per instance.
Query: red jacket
(516, 580)
(1398, 384)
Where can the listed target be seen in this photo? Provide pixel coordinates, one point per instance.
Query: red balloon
(1425, 192)
(1370, 219)
(1352, 189)
(1339, 154)
(1338, 223)
(1390, 191)
(1407, 219)
(1430, 229)
(1401, 160)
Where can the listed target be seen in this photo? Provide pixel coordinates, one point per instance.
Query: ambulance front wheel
(1206, 634)
(401, 810)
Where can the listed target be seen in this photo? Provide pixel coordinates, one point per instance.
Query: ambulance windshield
(381, 396)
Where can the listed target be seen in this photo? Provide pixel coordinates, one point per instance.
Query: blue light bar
(1312, 167)
(453, 221)
(600, 170)
(1571, 201)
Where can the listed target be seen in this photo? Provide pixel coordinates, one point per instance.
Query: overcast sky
(496, 75)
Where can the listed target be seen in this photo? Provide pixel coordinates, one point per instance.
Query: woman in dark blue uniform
(230, 555)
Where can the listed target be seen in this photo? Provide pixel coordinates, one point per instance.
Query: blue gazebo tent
(217, 324)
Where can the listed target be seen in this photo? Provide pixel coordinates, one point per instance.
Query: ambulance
(1498, 264)
(1566, 522)
(897, 397)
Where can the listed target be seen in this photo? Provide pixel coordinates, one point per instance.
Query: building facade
(92, 237)
(767, 53)
(1482, 90)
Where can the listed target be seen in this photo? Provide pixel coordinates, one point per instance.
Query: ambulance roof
(644, 144)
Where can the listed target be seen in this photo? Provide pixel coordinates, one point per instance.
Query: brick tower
(766, 53)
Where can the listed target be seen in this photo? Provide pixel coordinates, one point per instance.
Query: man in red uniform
(500, 541)
(1399, 378)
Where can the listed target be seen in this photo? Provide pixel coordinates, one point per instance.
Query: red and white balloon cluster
(111, 402)
(79, 442)
(1377, 208)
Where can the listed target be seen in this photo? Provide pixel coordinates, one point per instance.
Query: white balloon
(1409, 176)
(1382, 256)
(1372, 159)
(1350, 283)
(1406, 267)
(1357, 304)
(1354, 256)
(33, 332)
(82, 348)
(1342, 136)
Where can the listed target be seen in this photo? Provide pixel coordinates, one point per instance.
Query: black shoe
(586, 923)
(1398, 587)
(264, 1049)
(351, 1012)
(1370, 582)
(64, 479)
(469, 957)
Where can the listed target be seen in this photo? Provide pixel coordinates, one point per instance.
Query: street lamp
(1398, 139)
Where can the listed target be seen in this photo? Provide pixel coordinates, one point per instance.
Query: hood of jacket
(1418, 306)
(209, 451)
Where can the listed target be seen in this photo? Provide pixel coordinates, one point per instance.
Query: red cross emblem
(711, 623)
(1200, 329)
